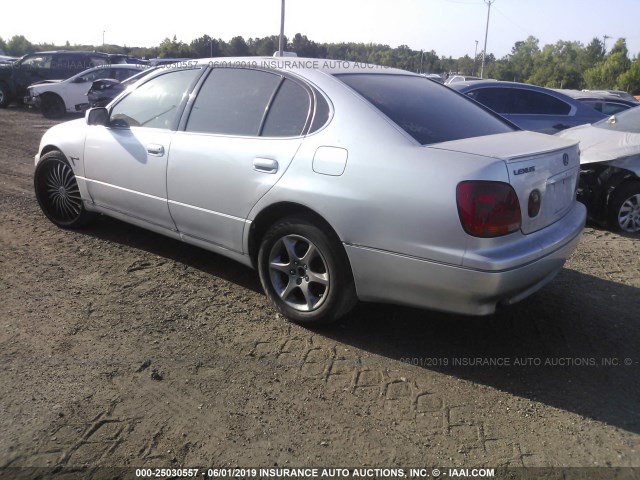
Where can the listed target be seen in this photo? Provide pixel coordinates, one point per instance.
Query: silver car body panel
(390, 200)
(616, 148)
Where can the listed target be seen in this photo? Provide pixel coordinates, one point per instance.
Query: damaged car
(610, 170)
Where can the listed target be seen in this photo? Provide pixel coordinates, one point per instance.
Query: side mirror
(97, 116)
(612, 120)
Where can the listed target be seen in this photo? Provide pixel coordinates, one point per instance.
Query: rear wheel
(58, 193)
(52, 106)
(624, 208)
(305, 272)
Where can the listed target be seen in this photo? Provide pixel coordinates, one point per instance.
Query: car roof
(84, 52)
(299, 64)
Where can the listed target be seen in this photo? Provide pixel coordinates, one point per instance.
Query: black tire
(52, 106)
(624, 208)
(5, 95)
(58, 193)
(305, 272)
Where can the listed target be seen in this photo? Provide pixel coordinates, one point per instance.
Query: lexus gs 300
(336, 181)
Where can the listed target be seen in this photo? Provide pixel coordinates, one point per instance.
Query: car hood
(43, 82)
(603, 145)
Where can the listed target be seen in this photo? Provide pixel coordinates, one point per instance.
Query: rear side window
(536, 103)
(518, 101)
(289, 111)
(232, 102)
(426, 110)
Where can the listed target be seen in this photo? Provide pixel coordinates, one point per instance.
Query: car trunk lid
(534, 161)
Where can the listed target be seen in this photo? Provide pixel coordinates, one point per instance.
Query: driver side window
(155, 104)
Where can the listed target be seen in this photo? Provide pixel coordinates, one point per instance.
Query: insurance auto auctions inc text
(339, 473)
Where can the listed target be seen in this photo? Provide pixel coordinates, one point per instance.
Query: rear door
(242, 132)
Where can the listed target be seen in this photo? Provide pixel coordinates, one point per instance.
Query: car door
(243, 130)
(125, 163)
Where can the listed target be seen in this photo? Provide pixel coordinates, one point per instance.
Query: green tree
(605, 74)
(3, 46)
(18, 46)
(558, 66)
(629, 81)
(237, 47)
(593, 54)
(205, 47)
(174, 49)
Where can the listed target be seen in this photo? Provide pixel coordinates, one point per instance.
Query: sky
(449, 27)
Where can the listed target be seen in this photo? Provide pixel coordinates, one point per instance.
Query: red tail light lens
(488, 209)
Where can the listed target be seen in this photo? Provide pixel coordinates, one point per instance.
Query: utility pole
(103, 38)
(281, 49)
(486, 33)
(604, 43)
(475, 58)
(421, 58)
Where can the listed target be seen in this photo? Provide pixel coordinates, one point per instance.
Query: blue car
(528, 106)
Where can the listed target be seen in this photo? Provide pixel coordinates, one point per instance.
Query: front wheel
(57, 192)
(52, 106)
(624, 208)
(305, 272)
(4, 95)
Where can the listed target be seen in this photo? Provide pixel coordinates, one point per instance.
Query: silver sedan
(336, 181)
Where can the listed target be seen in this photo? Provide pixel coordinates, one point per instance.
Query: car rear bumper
(390, 277)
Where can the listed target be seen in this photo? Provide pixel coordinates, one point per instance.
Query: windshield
(627, 121)
(426, 110)
(138, 76)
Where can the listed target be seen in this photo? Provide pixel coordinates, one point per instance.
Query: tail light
(488, 209)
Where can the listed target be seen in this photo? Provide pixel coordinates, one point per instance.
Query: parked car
(616, 93)
(5, 60)
(335, 183)
(530, 107)
(602, 101)
(57, 97)
(460, 78)
(35, 67)
(433, 76)
(610, 176)
(104, 90)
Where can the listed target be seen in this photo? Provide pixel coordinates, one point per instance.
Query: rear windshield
(426, 110)
(627, 121)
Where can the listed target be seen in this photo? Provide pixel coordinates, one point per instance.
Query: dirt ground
(120, 347)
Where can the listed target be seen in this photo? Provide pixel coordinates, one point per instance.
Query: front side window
(426, 110)
(37, 61)
(94, 75)
(233, 101)
(155, 104)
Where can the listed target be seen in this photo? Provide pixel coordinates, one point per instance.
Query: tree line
(565, 64)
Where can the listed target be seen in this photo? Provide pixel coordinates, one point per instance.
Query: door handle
(265, 165)
(155, 150)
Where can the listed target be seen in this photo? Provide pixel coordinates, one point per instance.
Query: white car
(57, 97)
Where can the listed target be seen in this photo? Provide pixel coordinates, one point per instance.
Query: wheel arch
(51, 148)
(274, 212)
(619, 179)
